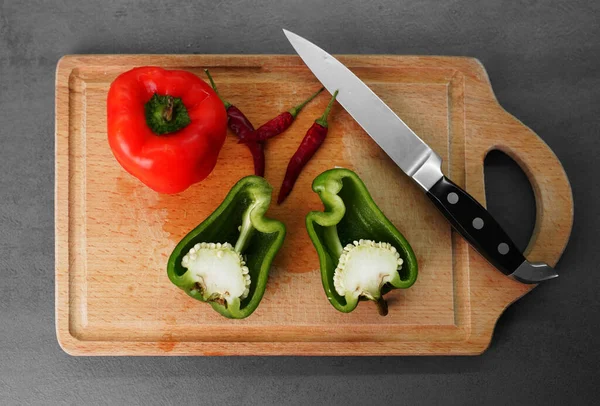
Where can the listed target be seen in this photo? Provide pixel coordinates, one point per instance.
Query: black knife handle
(476, 225)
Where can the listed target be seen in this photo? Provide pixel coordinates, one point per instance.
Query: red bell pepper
(165, 127)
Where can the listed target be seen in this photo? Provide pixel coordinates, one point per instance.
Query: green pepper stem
(246, 231)
(166, 114)
(214, 86)
(295, 110)
(323, 120)
(331, 238)
(382, 306)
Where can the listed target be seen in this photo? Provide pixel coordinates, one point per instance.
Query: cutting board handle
(551, 187)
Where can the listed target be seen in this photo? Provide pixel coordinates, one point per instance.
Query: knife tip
(288, 33)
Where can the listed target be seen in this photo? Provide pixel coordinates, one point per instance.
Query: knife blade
(420, 163)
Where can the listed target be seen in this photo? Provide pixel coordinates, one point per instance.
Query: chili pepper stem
(214, 86)
(323, 120)
(382, 306)
(295, 110)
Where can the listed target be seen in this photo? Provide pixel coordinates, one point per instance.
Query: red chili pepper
(310, 144)
(279, 124)
(239, 124)
(257, 149)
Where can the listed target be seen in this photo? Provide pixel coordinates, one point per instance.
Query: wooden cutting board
(114, 235)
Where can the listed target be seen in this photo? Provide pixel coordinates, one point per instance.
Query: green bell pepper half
(351, 215)
(240, 221)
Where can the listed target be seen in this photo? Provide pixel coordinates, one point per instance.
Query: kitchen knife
(421, 163)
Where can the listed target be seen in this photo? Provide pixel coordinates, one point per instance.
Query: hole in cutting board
(509, 197)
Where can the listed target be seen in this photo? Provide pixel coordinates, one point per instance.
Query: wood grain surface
(114, 235)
